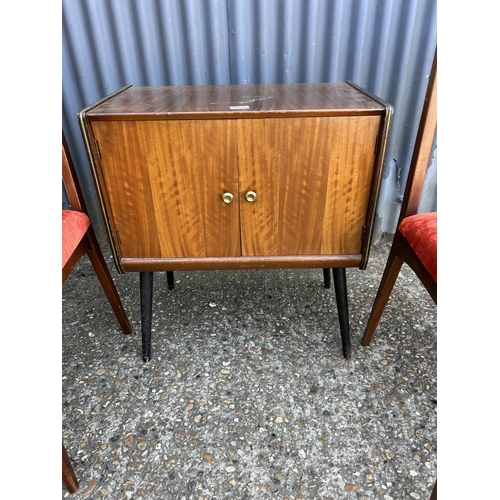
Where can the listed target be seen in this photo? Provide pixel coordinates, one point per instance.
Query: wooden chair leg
(389, 277)
(434, 493)
(146, 283)
(340, 284)
(68, 474)
(101, 269)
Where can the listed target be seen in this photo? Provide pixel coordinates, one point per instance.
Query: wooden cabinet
(238, 176)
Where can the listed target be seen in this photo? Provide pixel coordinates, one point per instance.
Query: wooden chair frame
(68, 473)
(401, 250)
(90, 246)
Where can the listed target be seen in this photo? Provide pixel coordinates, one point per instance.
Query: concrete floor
(247, 394)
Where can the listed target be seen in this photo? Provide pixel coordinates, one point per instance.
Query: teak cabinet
(238, 177)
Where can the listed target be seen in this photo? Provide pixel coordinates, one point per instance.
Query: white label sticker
(246, 106)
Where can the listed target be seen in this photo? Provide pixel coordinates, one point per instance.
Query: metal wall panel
(385, 46)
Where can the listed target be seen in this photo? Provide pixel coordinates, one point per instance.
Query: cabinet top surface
(237, 101)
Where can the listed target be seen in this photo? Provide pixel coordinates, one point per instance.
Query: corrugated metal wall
(385, 46)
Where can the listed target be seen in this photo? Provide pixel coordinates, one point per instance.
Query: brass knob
(227, 198)
(250, 196)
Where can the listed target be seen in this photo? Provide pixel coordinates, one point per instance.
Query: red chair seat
(420, 231)
(74, 227)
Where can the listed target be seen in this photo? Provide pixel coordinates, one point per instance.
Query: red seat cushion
(74, 227)
(420, 231)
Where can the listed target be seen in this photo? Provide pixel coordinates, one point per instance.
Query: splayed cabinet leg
(170, 280)
(328, 277)
(340, 283)
(146, 284)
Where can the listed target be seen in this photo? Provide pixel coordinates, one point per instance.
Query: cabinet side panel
(177, 171)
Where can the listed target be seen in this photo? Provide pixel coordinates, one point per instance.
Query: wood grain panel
(312, 177)
(349, 184)
(127, 189)
(165, 180)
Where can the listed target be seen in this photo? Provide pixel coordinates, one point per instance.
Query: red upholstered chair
(78, 239)
(415, 241)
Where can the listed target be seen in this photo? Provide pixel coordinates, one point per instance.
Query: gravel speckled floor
(247, 394)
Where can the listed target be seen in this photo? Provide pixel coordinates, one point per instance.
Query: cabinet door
(164, 180)
(312, 177)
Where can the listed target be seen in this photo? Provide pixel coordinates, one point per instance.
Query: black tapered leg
(146, 282)
(170, 280)
(328, 277)
(340, 283)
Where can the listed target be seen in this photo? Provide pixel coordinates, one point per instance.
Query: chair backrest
(423, 148)
(70, 179)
